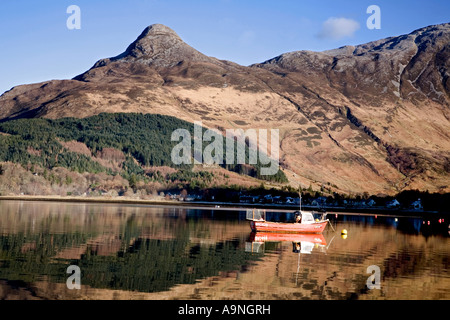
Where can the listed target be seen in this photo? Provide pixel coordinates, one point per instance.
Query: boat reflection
(301, 242)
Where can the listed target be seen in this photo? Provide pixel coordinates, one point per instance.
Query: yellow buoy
(343, 236)
(344, 231)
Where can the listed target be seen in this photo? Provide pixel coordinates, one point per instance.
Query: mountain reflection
(139, 252)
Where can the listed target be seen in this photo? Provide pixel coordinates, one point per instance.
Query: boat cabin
(307, 217)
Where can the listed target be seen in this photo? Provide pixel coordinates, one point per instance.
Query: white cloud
(338, 28)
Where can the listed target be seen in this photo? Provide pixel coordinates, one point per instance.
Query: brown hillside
(373, 117)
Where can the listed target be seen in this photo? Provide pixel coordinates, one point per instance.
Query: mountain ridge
(372, 117)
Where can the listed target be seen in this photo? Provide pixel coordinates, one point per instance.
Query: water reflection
(127, 248)
(136, 252)
(301, 243)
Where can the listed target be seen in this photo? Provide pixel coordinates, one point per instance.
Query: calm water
(138, 252)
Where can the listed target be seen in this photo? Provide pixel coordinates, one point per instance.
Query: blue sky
(36, 45)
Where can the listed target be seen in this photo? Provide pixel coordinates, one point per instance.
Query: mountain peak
(158, 30)
(158, 46)
(154, 41)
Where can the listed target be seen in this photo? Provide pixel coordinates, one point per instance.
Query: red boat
(267, 226)
(307, 224)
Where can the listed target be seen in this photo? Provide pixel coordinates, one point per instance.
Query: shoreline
(224, 205)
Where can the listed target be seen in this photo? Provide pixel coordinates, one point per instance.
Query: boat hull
(267, 226)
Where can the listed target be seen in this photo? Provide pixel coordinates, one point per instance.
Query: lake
(150, 252)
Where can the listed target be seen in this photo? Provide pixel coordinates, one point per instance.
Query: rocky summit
(158, 46)
(373, 117)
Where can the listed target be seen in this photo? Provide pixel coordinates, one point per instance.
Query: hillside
(373, 117)
(120, 151)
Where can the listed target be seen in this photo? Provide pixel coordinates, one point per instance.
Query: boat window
(307, 217)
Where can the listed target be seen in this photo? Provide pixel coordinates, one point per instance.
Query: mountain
(373, 117)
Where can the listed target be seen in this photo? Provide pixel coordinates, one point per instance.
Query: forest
(119, 144)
